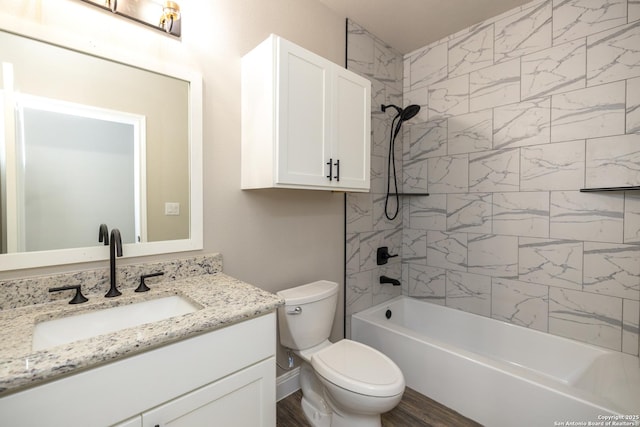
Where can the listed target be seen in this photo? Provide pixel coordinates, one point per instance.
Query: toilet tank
(307, 316)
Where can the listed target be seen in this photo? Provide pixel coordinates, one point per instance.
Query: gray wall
(273, 239)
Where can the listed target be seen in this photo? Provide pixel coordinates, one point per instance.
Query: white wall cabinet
(306, 122)
(224, 377)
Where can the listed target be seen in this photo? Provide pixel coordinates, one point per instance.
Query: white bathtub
(500, 374)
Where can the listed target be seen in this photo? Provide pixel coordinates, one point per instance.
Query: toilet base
(315, 417)
(341, 419)
(321, 410)
(337, 419)
(315, 408)
(355, 420)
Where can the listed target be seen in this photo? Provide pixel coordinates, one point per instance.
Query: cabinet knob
(330, 163)
(337, 164)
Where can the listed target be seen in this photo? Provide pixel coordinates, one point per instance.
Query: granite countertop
(224, 301)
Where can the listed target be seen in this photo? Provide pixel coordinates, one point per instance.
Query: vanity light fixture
(158, 14)
(112, 5)
(170, 14)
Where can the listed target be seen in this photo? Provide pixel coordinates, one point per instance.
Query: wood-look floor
(414, 410)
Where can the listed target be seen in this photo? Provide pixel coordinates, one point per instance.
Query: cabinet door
(244, 399)
(303, 113)
(352, 128)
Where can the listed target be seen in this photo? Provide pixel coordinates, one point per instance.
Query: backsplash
(518, 113)
(34, 290)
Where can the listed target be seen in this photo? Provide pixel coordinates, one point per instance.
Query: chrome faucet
(115, 249)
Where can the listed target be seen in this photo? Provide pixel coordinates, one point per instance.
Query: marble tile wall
(367, 226)
(534, 105)
(518, 113)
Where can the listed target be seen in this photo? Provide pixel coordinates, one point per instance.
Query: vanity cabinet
(238, 400)
(306, 122)
(224, 377)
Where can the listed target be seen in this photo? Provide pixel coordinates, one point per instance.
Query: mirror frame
(64, 39)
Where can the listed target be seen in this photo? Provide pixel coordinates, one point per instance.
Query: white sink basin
(73, 328)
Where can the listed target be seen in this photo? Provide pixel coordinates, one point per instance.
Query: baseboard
(287, 383)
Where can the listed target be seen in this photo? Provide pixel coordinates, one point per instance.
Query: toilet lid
(359, 368)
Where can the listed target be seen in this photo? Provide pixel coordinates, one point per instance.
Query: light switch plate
(172, 208)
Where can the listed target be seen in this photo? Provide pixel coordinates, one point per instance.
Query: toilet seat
(358, 368)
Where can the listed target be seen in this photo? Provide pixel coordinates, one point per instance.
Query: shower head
(409, 112)
(405, 114)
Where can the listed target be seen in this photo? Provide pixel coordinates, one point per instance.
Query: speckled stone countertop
(224, 301)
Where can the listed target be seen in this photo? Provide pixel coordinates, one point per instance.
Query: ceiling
(407, 25)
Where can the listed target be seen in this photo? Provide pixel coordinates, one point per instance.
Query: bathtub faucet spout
(385, 279)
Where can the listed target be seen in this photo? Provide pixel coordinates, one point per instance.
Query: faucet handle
(142, 287)
(383, 255)
(77, 299)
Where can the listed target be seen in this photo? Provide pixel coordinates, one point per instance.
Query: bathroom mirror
(91, 140)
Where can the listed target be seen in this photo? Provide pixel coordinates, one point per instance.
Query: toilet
(344, 383)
